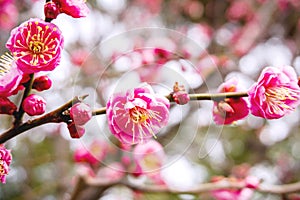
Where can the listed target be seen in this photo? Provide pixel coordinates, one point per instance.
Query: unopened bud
(34, 105)
(42, 83)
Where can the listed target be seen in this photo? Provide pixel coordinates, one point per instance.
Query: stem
(56, 116)
(20, 113)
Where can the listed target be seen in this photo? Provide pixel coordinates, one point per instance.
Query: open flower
(138, 115)
(149, 156)
(230, 109)
(5, 160)
(10, 75)
(275, 94)
(74, 8)
(37, 46)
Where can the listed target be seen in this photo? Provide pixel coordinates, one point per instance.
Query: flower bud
(76, 131)
(179, 94)
(42, 83)
(181, 97)
(51, 11)
(6, 106)
(34, 105)
(80, 113)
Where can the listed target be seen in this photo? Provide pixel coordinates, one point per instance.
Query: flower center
(5, 63)
(2, 168)
(36, 46)
(139, 115)
(279, 97)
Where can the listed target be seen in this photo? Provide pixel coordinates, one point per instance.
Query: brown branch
(195, 97)
(201, 188)
(55, 116)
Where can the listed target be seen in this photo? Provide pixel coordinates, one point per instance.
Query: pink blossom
(37, 46)
(149, 156)
(80, 113)
(94, 154)
(5, 160)
(230, 110)
(6, 106)
(74, 8)
(138, 115)
(113, 172)
(275, 94)
(34, 105)
(10, 75)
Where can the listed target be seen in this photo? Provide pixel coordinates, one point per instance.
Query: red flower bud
(6, 106)
(76, 131)
(51, 11)
(42, 83)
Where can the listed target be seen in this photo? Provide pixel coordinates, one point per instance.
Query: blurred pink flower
(10, 75)
(80, 113)
(236, 194)
(37, 46)
(138, 115)
(5, 160)
(8, 15)
(34, 105)
(93, 155)
(6, 106)
(239, 10)
(113, 172)
(275, 94)
(230, 109)
(74, 8)
(149, 156)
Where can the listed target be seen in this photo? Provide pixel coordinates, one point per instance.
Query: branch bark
(56, 116)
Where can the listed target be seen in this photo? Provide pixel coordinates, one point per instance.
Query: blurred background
(123, 43)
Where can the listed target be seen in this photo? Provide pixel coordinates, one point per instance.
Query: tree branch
(55, 116)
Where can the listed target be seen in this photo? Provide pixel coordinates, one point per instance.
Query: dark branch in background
(55, 116)
(84, 181)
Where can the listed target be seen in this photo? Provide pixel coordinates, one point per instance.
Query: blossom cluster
(275, 94)
(34, 46)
